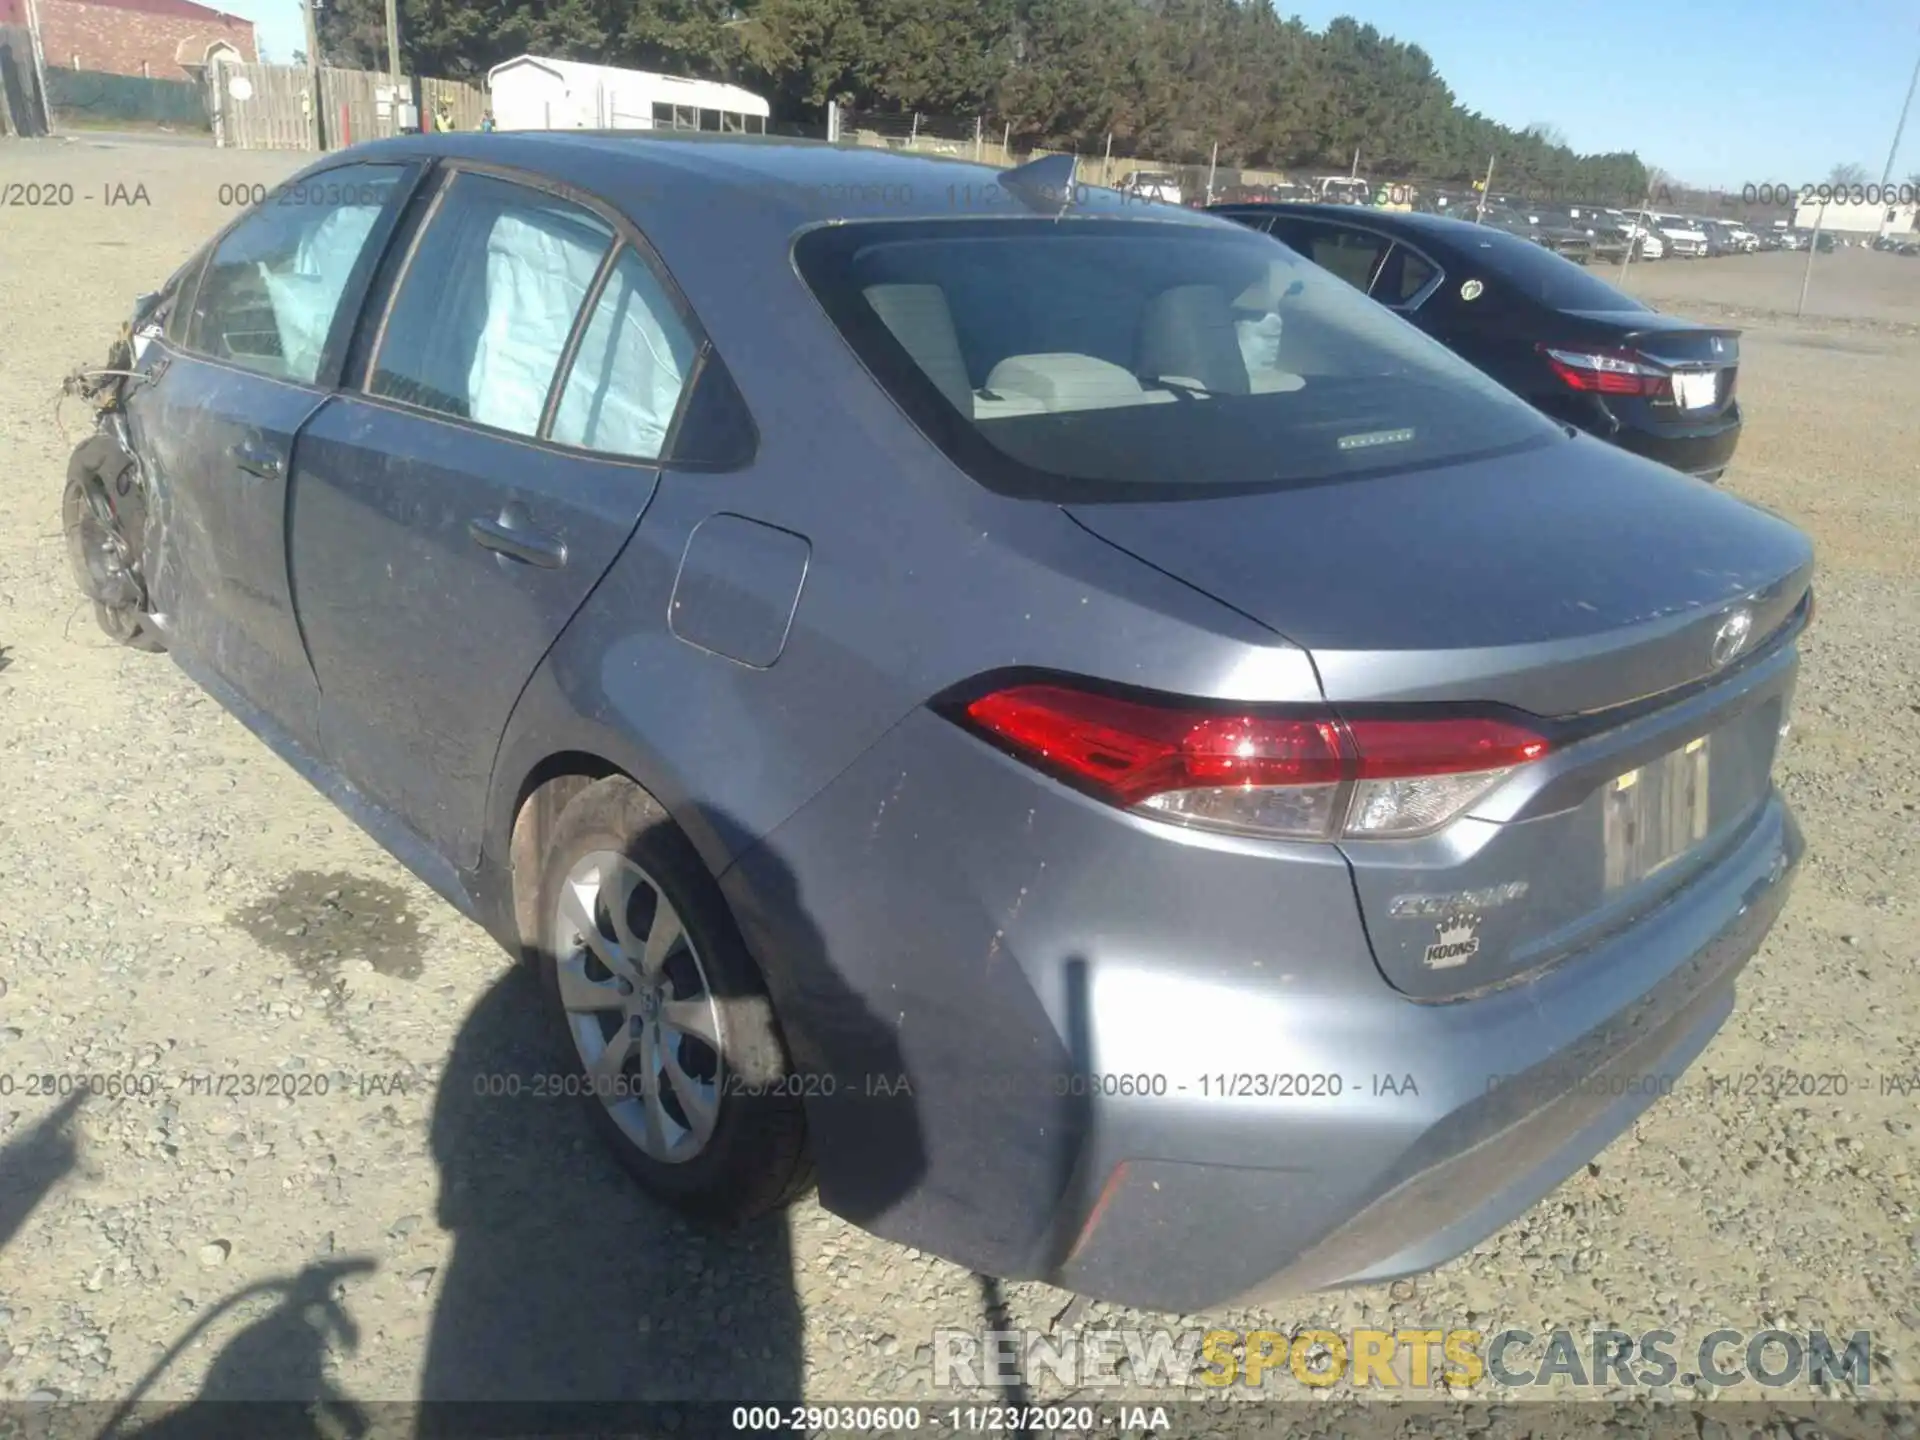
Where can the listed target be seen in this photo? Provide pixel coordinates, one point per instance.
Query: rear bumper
(1703, 448)
(1480, 1145)
(1069, 991)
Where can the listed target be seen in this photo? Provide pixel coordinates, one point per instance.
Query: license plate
(1695, 390)
(1656, 814)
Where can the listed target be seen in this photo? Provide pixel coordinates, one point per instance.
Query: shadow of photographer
(569, 1295)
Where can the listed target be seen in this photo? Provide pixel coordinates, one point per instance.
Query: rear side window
(487, 303)
(270, 293)
(1129, 359)
(1542, 276)
(631, 367)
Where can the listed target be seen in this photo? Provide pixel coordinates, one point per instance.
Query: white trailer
(531, 92)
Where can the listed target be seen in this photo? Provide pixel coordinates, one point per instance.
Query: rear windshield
(1088, 359)
(1539, 274)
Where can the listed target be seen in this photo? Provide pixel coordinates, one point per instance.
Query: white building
(534, 93)
(1851, 219)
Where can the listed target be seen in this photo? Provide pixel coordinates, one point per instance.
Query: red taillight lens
(1305, 777)
(1607, 372)
(1131, 752)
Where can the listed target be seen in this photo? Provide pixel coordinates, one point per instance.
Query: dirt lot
(174, 903)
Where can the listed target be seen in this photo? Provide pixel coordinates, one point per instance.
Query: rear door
(249, 358)
(1354, 254)
(457, 505)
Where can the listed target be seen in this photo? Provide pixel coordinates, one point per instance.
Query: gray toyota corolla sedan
(1044, 710)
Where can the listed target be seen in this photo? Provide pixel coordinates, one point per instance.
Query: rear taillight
(1608, 372)
(1306, 777)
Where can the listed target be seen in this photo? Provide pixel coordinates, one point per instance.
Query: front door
(219, 426)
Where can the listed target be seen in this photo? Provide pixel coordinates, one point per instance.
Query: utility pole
(313, 73)
(1633, 243)
(1886, 176)
(1486, 191)
(1813, 249)
(1213, 167)
(1106, 165)
(1354, 173)
(396, 109)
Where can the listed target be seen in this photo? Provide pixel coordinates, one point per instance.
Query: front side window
(487, 303)
(1093, 358)
(269, 296)
(631, 367)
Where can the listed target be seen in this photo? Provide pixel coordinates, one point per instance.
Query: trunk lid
(1574, 582)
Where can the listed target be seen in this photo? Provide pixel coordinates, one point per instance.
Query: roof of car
(1442, 228)
(787, 182)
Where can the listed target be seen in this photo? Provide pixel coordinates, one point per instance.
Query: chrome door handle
(257, 459)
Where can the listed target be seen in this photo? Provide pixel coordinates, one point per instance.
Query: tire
(754, 1158)
(91, 521)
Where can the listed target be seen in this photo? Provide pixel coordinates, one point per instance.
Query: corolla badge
(1732, 636)
(1471, 290)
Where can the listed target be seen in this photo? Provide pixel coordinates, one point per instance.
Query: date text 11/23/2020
(1218, 1085)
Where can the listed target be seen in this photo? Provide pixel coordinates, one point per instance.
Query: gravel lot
(175, 903)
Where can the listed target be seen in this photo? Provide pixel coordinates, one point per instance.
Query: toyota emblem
(1731, 638)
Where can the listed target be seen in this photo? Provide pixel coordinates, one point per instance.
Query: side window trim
(370, 328)
(352, 297)
(563, 371)
(174, 333)
(346, 319)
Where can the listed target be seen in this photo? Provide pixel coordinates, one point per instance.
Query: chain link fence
(91, 98)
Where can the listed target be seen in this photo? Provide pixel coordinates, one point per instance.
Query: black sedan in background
(1576, 347)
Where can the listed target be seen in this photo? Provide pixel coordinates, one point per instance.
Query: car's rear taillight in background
(1608, 372)
(1302, 776)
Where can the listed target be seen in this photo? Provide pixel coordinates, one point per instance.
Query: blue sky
(278, 27)
(1716, 92)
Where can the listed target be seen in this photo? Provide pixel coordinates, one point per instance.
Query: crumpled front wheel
(102, 503)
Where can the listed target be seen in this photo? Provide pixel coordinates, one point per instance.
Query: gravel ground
(176, 904)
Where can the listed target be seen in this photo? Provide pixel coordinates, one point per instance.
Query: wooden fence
(271, 107)
(260, 107)
(464, 105)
